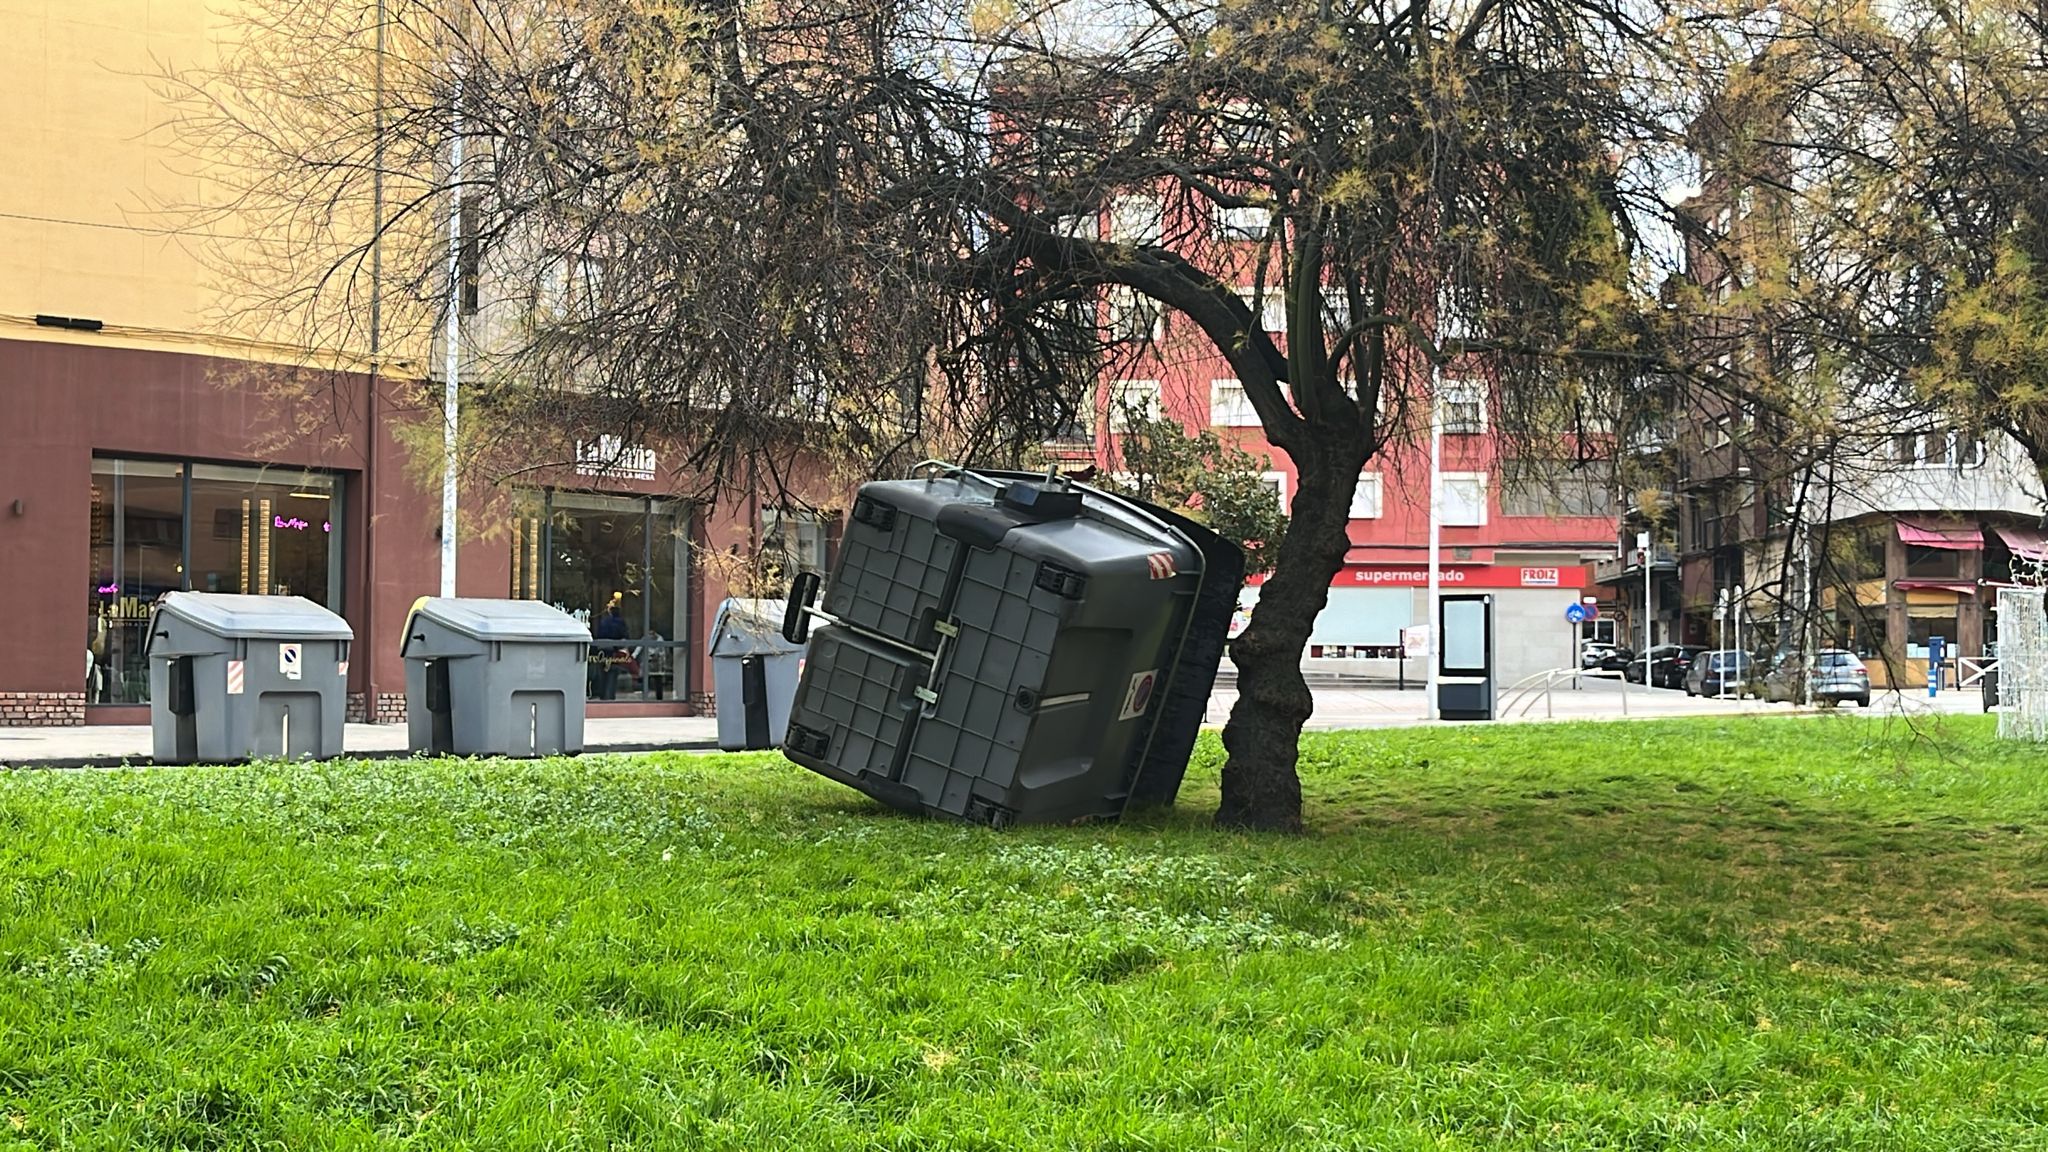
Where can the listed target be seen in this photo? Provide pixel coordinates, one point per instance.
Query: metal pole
(1436, 484)
(1735, 610)
(453, 367)
(1649, 609)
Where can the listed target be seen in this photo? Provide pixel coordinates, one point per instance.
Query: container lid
(502, 620)
(750, 628)
(255, 617)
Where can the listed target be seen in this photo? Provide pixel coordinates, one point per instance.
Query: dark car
(1722, 670)
(1668, 664)
(1833, 674)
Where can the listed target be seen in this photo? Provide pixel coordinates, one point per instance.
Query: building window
(1130, 315)
(1547, 488)
(1718, 436)
(1948, 449)
(1933, 563)
(162, 526)
(793, 541)
(1136, 219)
(1133, 401)
(1250, 222)
(1229, 407)
(1464, 407)
(588, 553)
(1365, 499)
(1276, 482)
(1463, 499)
(1269, 304)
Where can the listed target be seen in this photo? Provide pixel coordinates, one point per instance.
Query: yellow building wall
(100, 197)
(85, 166)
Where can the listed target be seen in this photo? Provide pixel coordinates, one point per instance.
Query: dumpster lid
(256, 617)
(488, 619)
(749, 628)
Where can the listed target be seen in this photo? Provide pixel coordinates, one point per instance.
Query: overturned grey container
(235, 677)
(1006, 648)
(754, 672)
(493, 678)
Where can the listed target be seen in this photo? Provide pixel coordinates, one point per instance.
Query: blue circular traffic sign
(1580, 613)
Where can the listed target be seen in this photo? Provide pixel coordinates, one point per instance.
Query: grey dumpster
(754, 672)
(1005, 648)
(493, 678)
(233, 677)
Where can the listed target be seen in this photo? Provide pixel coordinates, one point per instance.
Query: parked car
(1606, 657)
(1832, 674)
(1667, 665)
(1718, 671)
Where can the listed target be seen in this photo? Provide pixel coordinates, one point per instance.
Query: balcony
(1625, 568)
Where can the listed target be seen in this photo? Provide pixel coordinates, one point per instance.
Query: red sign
(1452, 576)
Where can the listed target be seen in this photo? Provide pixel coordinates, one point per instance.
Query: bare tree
(751, 227)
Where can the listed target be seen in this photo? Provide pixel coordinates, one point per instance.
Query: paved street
(1337, 706)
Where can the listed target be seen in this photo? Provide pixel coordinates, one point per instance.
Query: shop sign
(610, 457)
(1452, 576)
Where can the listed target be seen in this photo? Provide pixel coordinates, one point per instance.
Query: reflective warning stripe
(234, 677)
(1161, 565)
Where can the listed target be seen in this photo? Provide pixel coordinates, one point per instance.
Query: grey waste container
(754, 673)
(1005, 648)
(493, 678)
(233, 677)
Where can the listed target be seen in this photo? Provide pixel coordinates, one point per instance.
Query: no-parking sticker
(1139, 696)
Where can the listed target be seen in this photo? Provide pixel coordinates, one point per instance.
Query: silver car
(1833, 674)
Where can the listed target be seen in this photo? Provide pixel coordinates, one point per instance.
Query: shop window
(1933, 563)
(588, 554)
(161, 526)
(1919, 629)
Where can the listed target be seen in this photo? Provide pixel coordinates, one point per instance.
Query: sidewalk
(108, 746)
(1337, 706)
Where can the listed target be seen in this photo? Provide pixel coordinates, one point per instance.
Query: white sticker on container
(1139, 697)
(289, 662)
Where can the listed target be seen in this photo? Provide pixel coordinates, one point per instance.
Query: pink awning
(1955, 537)
(1943, 585)
(2029, 542)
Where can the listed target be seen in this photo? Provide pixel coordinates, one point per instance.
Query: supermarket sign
(1453, 576)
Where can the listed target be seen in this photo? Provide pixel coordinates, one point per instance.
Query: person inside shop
(605, 658)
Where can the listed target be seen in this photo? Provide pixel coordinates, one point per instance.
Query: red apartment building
(1530, 544)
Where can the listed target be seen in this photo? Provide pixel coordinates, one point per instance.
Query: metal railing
(1972, 669)
(1526, 690)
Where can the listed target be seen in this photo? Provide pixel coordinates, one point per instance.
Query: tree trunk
(1260, 787)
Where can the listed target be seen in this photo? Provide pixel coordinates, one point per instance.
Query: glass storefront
(589, 554)
(161, 526)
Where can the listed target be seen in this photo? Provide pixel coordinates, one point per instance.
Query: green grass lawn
(1742, 933)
